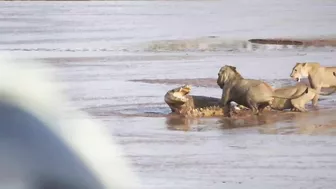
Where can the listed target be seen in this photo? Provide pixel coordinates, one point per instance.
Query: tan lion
(251, 93)
(319, 76)
(296, 103)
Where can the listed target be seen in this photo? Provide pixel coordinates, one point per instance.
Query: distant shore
(299, 42)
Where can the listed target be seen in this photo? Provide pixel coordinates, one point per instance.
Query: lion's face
(299, 71)
(224, 74)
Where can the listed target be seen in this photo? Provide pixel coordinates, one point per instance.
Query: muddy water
(118, 59)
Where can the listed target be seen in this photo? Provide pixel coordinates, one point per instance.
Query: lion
(297, 104)
(251, 93)
(319, 77)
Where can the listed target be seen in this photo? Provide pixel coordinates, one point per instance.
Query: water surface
(119, 58)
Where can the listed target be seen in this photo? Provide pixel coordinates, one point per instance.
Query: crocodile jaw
(178, 95)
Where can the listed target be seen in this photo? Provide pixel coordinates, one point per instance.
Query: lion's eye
(295, 70)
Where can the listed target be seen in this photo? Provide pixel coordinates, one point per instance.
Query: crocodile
(182, 103)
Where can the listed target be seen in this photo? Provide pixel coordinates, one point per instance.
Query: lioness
(250, 93)
(318, 76)
(296, 103)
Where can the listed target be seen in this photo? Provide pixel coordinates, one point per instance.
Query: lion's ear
(232, 67)
(304, 64)
(334, 73)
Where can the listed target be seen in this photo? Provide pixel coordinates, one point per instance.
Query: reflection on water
(179, 123)
(270, 122)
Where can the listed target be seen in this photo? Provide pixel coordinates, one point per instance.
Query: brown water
(274, 150)
(118, 59)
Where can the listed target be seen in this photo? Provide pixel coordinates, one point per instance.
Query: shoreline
(296, 42)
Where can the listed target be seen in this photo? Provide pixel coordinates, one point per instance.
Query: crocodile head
(177, 97)
(181, 102)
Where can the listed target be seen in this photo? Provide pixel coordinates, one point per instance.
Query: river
(119, 58)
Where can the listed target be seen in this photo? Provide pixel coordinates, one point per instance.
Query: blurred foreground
(44, 145)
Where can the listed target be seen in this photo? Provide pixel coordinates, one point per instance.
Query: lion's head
(227, 73)
(300, 70)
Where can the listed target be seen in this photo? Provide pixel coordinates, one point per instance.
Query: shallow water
(119, 58)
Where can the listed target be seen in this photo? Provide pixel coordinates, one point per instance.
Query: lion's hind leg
(253, 106)
(301, 109)
(262, 106)
(297, 105)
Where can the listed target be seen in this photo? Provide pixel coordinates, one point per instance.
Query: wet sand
(118, 59)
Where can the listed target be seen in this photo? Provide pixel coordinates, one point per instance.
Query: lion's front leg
(316, 97)
(315, 84)
(225, 102)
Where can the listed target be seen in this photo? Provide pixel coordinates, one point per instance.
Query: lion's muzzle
(296, 78)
